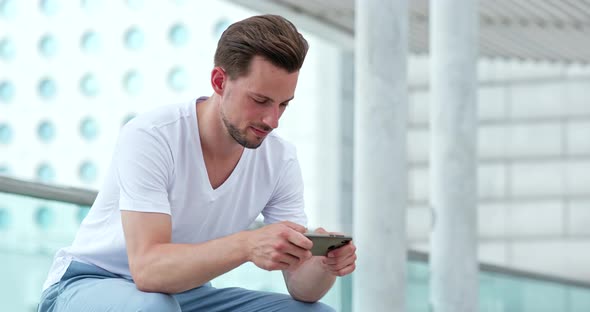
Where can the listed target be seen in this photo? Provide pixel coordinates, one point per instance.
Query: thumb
(321, 230)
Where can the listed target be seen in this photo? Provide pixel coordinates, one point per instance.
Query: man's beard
(239, 136)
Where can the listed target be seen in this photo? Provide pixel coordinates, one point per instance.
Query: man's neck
(215, 140)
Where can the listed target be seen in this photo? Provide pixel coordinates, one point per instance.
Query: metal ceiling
(543, 30)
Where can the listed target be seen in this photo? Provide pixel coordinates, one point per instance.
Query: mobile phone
(323, 243)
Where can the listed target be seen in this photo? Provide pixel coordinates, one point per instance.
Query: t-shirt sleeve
(286, 203)
(142, 162)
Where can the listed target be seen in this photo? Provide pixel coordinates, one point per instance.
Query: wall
(534, 165)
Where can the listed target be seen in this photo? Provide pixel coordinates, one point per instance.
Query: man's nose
(271, 118)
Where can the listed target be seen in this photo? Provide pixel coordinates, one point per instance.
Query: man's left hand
(341, 261)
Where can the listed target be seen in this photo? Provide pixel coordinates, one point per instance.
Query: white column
(453, 156)
(380, 188)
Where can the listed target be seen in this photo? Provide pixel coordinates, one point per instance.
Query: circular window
(90, 42)
(5, 218)
(89, 85)
(46, 131)
(48, 45)
(132, 82)
(49, 7)
(88, 172)
(134, 38)
(45, 173)
(5, 133)
(178, 79)
(89, 128)
(47, 88)
(6, 91)
(44, 217)
(7, 8)
(6, 49)
(178, 35)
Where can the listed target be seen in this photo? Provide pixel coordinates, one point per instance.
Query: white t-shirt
(158, 166)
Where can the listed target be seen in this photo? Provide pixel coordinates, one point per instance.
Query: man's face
(252, 105)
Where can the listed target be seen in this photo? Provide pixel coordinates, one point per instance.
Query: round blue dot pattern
(7, 49)
(6, 91)
(47, 88)
(6, 133)
(89, 128)
(48, 45)
(44, 217)
(46, 131)
(134, 38)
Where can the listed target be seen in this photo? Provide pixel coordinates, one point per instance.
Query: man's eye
(259, 101)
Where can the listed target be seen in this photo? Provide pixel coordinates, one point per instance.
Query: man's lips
(258, 132)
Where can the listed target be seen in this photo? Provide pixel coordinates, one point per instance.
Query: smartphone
(323, 243)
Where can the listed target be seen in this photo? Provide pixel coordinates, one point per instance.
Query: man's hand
(341, 261)
(280, 246)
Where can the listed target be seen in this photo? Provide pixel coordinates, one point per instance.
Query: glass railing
(504, 290)
(36, 220)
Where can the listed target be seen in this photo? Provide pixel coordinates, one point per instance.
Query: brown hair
(271, 36)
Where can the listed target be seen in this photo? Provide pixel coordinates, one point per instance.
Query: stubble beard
(239, 136)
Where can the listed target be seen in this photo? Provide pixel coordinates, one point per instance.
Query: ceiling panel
(550, 30)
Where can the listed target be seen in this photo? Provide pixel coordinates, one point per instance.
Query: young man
(185, 183)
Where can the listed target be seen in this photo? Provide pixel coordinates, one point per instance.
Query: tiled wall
(534, 165)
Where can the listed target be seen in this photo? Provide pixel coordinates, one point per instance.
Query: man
(185, 183)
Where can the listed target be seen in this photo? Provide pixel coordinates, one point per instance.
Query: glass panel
(31, 231)
(503, 293)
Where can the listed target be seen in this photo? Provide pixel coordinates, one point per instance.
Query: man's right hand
(279, 246)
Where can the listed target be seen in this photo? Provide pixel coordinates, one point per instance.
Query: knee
(153, 302)
(309, 307)
(321, 307)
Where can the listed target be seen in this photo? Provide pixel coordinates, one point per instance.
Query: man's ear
(218, 77)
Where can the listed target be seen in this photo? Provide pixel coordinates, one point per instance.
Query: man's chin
(252, 145)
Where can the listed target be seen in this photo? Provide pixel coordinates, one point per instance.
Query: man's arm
(313, 279)
(157, 265)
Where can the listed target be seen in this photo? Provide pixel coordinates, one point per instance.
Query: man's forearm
(310, 282)
(173, 268)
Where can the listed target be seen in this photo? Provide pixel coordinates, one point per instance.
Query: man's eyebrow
(268, 98)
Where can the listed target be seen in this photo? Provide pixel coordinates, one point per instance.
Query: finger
(342, 264)
(333, 261)
(343, 251)
(271, 266)
(300, 253)
(287, 247)
(297, 227)
(347, 270)
(298, 239)
(279, 257)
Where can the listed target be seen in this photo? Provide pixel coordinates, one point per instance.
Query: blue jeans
(86, 287)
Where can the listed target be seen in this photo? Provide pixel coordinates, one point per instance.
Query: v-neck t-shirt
(158, 167)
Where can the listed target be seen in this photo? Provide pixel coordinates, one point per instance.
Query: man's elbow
(143, 282)
(147, 282)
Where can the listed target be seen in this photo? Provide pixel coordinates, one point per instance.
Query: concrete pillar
(380, 187)
(453, 156)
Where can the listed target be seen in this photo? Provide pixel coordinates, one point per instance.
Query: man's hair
(270, 36)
